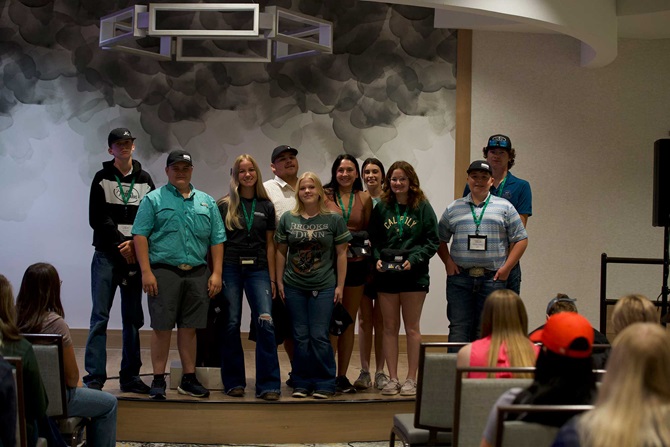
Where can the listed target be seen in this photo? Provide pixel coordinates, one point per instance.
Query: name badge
(244, 260)
(126, 230)
(477, 242)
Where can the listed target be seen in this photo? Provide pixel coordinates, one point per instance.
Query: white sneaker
(408, 388)
(392, 388)
(381, 380)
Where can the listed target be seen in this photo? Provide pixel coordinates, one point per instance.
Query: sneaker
(236, 392)
(364, 381)
(135, 385)
(321, 394)
(300, 393)
(391, 388)
(193, 388)
(343, 385)
(94, 385)
(270, 396)
(381, 380)
(157, 390)
(289, 381)
(408, 388)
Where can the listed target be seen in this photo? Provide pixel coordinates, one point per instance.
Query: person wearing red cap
(563, 373)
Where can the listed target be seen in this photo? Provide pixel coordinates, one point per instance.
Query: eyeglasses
(498, 141)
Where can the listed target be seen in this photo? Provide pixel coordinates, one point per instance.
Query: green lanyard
(501, 187)
(249, 220)
(346, 213)
(402, 220)
(125, 196)
(478, 220)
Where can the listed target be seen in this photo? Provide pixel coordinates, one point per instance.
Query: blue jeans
(255, 283)
(313, 360)
(465, 301)
(101, 408)
(107, 273)
(514, 279)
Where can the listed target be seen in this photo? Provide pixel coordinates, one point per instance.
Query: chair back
(531, 434)
(17, 373)
(474, 399)
(49, 353)
(435, 389)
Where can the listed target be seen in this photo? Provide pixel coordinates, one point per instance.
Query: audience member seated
(563, 373)
(631, 309)
(13, 345)
(7, 405)
(504, 342)
(633, 405)
(39, 311)
(563, 303)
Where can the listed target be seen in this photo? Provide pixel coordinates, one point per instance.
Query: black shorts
(357, 273)
(398, 282)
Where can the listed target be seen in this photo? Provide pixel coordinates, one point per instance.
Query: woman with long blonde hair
(633, 404)
(631, 309)
(311, 267)
(504, 341)
(249, 266)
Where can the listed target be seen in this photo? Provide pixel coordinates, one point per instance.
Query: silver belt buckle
(185, 267)
(476, 272)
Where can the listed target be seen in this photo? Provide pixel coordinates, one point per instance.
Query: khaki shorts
(182, 298)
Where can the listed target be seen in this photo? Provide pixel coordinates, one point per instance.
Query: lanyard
(346, 213)
(478, 220)
(402, 220)
(501, 187)
(249, 220)
(125, 196)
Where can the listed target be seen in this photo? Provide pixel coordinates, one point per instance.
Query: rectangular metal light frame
(138, 17)
(196, 7)
(179, 52)
(314, 27)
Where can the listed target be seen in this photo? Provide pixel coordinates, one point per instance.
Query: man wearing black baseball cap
(175, 227)
(488, 241)
(116, 192)
(500, 155)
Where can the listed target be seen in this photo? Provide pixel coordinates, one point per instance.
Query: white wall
(584, 140)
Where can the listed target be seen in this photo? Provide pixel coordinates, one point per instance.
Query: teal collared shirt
(179, 230)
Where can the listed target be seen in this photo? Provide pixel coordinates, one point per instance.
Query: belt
(477, 272)
(182, 267)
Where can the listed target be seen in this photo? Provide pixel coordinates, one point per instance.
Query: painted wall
(584, 140)
(388, 91)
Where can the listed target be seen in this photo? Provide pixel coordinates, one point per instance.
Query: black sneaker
(343, 385)
(300, 393)
(135, 385)
(94, 385)
(193, 388)
(289, 381)
(157, 390)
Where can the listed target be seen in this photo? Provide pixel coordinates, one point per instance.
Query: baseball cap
(559, 299)
(118, 134)
(283, 148)
(568, 334)
(499, 141)
(392, 259)
(177, 156)
(480, 165)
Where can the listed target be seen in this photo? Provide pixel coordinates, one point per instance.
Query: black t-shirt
(253, 244)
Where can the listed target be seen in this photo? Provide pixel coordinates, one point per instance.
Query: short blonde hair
(631, 309)
(299, 206)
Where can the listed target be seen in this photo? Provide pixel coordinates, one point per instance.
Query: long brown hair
(504, 318)
(414, 195)
(38, 295)
(8, 329)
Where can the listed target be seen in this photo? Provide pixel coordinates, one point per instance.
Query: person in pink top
(504, 341)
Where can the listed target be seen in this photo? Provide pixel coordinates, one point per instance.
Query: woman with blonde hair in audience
(631, 309)
(504, 341)
(633, 404)
(40, 311)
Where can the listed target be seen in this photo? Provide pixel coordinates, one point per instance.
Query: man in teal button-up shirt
(174, 228)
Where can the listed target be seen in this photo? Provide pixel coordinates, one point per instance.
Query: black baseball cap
(480, 165)
(118, 134)
(499, 141)
(281, 149)
(177, 156)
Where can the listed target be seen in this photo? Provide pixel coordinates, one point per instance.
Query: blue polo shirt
(179, 230)
(516, 190)
(501, 224)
